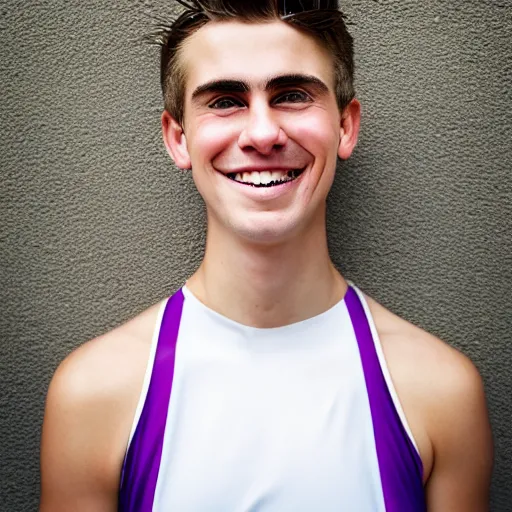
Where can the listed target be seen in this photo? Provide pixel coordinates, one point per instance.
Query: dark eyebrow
(240, 86)
(296, 79)
(220, 86)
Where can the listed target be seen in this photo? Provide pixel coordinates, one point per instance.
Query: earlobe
(349, 129)
(175, 141)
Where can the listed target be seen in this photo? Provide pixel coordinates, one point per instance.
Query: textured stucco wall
(96, 225)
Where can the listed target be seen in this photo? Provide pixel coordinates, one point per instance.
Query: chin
(268, 231)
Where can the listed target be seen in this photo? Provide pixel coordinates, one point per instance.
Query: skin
(266, 264)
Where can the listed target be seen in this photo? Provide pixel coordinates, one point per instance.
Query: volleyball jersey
(297, 418)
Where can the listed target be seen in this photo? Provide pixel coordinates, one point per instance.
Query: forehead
(252, 52)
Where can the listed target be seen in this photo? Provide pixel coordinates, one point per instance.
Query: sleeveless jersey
(297, 418)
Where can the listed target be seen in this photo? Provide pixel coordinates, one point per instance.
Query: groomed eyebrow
(272, 83)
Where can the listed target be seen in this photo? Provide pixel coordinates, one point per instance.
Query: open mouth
(265, 178)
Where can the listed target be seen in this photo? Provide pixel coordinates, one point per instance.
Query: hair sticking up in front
(321, 19)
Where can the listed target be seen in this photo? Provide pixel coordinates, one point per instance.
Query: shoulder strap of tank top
(140, 471)
(399, 464)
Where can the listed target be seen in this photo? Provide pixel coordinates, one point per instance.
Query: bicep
(76, 474)
(463, 449)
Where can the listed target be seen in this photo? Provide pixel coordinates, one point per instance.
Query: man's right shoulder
(89, 413)
(109, 365)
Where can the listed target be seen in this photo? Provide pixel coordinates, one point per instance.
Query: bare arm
(76, 473)
(89, 412)
(443, 398)
(462, 442)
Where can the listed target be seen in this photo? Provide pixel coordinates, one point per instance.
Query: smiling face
(262, 130)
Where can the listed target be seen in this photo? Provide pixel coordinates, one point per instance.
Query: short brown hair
(320, 18)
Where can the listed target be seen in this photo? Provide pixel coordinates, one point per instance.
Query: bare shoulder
(420, 357)
(106, 366)
(89, 411)
(442, 394)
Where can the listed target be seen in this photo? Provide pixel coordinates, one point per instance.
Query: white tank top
(235, 418)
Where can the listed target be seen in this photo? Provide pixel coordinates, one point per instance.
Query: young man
(267, 382)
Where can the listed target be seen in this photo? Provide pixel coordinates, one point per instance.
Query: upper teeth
(263, 177)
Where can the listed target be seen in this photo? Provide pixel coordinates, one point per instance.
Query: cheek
(316, 134)
(211, 137)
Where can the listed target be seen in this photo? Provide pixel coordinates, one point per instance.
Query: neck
(270, 285)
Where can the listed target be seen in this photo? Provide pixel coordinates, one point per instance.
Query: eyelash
(303, 98)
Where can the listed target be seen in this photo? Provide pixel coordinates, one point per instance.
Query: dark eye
(293, 97)
(225, 103)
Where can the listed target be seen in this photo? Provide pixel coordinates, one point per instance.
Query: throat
(260, 288)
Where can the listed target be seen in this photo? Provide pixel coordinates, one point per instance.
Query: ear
(175, 141)
(349, 128)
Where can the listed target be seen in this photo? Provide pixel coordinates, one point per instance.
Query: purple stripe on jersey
(140, 470)
(400, 467)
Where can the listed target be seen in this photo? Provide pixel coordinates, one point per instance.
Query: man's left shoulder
(418, 358)
(439, 387)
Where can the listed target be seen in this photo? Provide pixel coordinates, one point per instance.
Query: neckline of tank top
(301, 324)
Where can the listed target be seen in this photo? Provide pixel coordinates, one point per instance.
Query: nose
(262, 131)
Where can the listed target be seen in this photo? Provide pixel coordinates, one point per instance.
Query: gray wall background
(96, 224)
